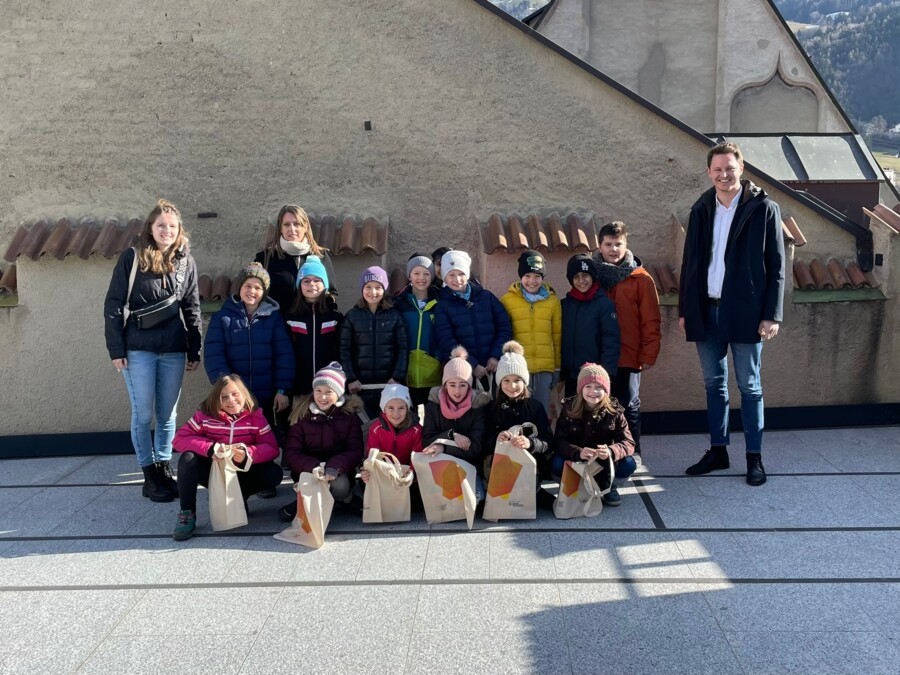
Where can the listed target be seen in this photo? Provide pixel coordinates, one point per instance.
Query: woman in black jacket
(152, 317)
(285, 254)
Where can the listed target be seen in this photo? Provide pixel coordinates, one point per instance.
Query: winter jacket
(438, 428)
(374, 346)
(501, 415)
(334, 437)
(637, 308)
(168, 337)
(258, 349)
(590, 334)
(316, 339)
(479, 324)
(593, 429)
(401, 444)
(424, 368)
(753, 287)
(202, 432)
(536, 326)
(283, 274)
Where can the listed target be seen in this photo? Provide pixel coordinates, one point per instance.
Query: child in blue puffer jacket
(248, 337)
(468, 315)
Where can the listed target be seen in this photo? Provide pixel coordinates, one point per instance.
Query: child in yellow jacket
(536, 317)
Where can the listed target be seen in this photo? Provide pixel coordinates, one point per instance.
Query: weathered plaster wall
(228, 108)
(693, 58)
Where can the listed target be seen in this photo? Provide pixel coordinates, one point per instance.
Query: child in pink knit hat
(593, 426)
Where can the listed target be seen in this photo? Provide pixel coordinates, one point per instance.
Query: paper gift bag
(579, 491)
(314, 506)
(386, 498)
(226, 501)
(512, 486)
(447, 486)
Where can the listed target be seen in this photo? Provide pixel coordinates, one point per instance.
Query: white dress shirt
(715, 275)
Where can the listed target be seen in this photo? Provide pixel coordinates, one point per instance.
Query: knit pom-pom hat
(458, 366)
(593, 373)
(255, 271)
(512, 362)
(333, 377)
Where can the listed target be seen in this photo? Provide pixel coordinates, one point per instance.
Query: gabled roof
(864, 242)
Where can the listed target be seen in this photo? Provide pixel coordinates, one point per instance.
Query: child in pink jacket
(228, 417)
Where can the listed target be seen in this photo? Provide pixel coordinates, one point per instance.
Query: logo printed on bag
(570, 481)
(504, 473)
(450, 476)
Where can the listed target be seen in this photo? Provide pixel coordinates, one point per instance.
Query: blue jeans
(746, 357)
(624, 468)
(154, 385)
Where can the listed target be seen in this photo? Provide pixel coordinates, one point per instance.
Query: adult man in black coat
(731, 294)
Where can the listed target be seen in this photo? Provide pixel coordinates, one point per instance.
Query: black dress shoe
(715, 459)
(756, 474)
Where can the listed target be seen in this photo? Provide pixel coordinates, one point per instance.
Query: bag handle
(394, 467)
(227, 455)
(527, 429)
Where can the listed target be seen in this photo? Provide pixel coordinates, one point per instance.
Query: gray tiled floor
(801, 575)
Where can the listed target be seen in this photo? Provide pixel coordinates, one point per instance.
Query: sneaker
(187, 521)
(756, 474)
(612, 498)
(287, 512)
(715, 459)
(267, 494)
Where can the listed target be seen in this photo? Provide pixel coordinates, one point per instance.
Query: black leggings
(193, 470)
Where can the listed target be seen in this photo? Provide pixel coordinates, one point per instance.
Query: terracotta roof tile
(816, 275)
(221, 287)
(793, 230)
(349, 234)
(8, 280)
(664, 278)
(512, 233)
(891, 217)
(86, 237)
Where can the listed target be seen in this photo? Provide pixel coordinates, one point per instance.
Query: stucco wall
(228, 108)
(692, 58)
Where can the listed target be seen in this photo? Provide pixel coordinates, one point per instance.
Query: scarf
(575, 294)
(295, 248)
(542, 294)
(609, 275)
(466, 294)
(451, 410)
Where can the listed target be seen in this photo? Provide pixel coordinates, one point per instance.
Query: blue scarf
(542, 294)
(466, 294)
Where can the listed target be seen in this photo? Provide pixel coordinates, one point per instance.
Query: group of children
(444, 341)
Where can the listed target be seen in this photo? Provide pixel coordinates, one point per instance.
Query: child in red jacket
(228, 417)
(325, 428)
(633, 291)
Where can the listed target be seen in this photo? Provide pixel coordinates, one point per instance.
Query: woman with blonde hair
(285, 254)
(152, 325)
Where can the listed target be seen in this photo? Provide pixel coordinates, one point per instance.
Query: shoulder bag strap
(126, 310)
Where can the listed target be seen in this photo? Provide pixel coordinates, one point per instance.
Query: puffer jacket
(202, 432)
(316, 339)
(593, 429)
(334, 437)
(503, 414)
(258, 348)
(374, 346)
(168, 337)
(590, 334)
(438, 428)
(400, 443)
(479, 324)
(424, 368)
(536, 326)
(283, 276)
(637, 308)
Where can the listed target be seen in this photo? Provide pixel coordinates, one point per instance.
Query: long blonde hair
(212, 406)
(578, 407)
(149, 257)
(274, 246)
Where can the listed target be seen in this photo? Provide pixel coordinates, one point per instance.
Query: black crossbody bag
(157, 313)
